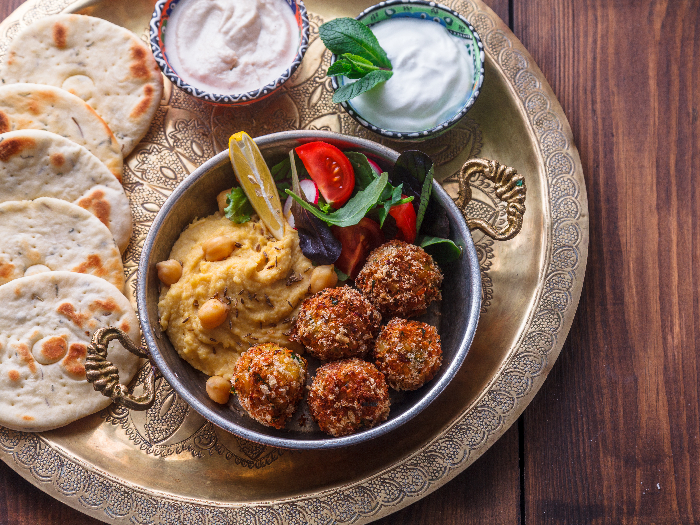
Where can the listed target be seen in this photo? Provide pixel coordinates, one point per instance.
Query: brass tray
(168, 465)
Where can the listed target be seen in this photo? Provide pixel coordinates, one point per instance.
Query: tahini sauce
(432, 80)
(231, 46)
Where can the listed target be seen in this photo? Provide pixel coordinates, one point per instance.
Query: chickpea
(169, 272)
(218, 248)
(221, 200)
(212, 313)
(218, 389)
(322, 277)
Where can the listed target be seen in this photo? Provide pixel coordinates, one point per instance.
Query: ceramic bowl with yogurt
(438, 63)
(229, 52)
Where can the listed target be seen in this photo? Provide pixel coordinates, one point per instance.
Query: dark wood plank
(613, 435)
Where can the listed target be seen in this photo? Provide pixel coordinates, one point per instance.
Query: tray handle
(510, 188)
(104, 376)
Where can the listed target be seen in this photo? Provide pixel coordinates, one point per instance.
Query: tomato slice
(330, 169)
(405, 216)
(357, 242)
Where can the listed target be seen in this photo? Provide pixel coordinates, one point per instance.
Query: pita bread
(37, 164)
(32, 106)
(105, 65)
(51, 234)
(46, 323)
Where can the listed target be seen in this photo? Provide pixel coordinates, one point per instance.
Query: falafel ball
(408, 353)
(348, 395)
(270, 382)
(400, 279)
(337, 323)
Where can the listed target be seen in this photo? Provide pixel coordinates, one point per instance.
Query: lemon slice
(256, 180)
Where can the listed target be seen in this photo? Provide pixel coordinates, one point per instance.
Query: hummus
(263, 281)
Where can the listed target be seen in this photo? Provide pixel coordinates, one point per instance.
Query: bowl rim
(225, 99)
(442, 126)
(435, 388)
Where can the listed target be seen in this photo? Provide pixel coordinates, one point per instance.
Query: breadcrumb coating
(400, 280)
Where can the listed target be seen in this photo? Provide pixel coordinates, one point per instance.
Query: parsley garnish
(238, 208)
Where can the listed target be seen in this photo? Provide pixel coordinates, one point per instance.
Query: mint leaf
(238, 208)
(347, 35)
(354, 210)
(352, 66)
(339, 68)
(358, 87)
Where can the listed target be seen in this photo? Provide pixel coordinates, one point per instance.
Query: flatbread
(49, 234)
(46, 323)
(105, 65)
(33, 106)
(37, 164)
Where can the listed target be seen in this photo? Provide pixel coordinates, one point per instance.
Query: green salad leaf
(355, 209)
(238, 208)
(442, 250)
(364, 174)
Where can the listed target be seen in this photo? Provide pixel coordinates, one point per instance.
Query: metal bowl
(196, 197)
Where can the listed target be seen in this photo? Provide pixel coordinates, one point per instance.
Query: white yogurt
(231, 46)
(432, 80)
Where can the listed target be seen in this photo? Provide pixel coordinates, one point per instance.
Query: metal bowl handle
(104, 376)
(510, 188)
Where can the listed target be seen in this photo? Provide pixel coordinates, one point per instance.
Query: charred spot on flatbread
(144, 104)
(139, 67)
(7, 269)
(96, 203)
(108, 306)
(40, 102)
(15, 146)
(13, 375)
(74, 362)
(53, 348)
(26, 356)
(68, 310)
(4, 122)
(59, 34)
(92, 265)
(124, 326)
(57, 159)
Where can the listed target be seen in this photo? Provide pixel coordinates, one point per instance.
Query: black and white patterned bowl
(159, 26)
(456, 25)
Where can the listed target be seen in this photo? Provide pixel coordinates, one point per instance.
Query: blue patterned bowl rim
(443, 126)
(163, 9)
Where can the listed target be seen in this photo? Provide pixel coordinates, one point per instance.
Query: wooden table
(614, 434)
